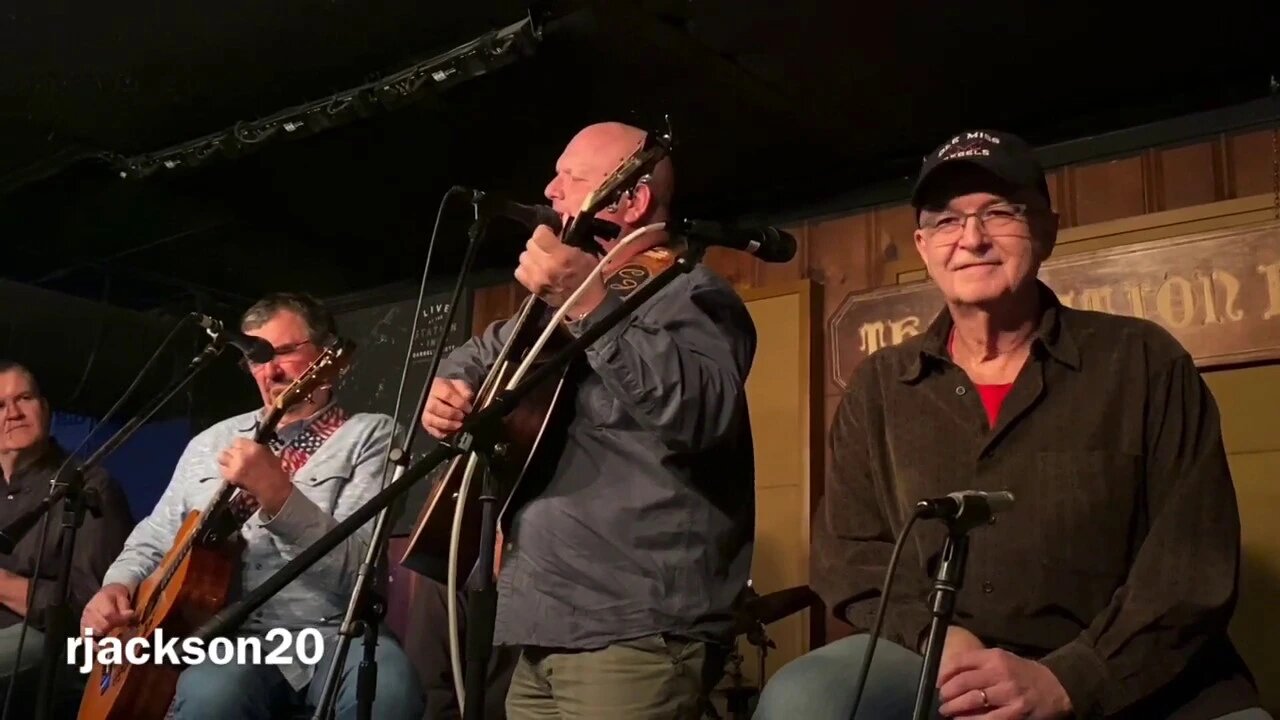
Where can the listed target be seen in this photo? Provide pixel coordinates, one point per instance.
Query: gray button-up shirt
(338, 478)
(646, 524)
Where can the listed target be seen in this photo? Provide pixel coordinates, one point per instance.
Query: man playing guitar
(322, 465)
(617, 580)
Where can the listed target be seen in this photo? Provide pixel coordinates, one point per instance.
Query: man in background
(1108, 590)
(29, 460)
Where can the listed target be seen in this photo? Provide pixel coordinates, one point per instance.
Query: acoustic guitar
(193, 579)
(534, 431)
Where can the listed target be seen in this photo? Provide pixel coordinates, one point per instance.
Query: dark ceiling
(776, 106)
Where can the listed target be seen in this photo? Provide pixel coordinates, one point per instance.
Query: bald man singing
(618, 579)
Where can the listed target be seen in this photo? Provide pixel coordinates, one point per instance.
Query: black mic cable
(412, 423)
(932, 508)
(916, 514)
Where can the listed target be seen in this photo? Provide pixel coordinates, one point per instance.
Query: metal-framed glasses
(993, 219)
(284, 352)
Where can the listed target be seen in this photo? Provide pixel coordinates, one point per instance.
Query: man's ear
(919, 240)
(639, 204)
(48, 415)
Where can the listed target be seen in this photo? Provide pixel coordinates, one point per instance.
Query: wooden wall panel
(738, 268)
(496, 302)
(836, 260)
(894, 239)
(1106, 191)
(1187, 175)
(776, 274)
(1249, 159)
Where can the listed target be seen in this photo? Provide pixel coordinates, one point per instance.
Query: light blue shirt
(337, 479)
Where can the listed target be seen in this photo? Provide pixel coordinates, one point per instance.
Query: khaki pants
(650, 678)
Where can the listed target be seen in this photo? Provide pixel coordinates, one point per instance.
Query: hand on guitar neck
(256, 470)
(552, 271)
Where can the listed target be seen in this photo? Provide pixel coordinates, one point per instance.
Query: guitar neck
(526, 326)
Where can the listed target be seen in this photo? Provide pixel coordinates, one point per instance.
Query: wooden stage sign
(1217, 292)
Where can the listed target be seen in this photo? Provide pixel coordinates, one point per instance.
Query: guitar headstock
(625, 176)
(324, 371)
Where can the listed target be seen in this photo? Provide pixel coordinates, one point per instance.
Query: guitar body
(533, 434)
(199, 579)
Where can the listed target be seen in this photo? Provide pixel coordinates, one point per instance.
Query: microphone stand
(481, 433)
(482, 591)
(364, 611)
(80, 499)
(366, 608)
(948, 581)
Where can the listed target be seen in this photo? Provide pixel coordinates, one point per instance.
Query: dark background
(777, 108)
(780, 111)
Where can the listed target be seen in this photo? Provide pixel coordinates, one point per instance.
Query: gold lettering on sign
(1232, 285)
(904, 328)
(872, 334)
(1272, 272)
(1137, 303)
(1210, 309)
(1181, 316)
(1097, 298)
(1217, 292)
(871, 337)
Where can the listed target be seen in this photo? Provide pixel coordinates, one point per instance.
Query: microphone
(531, 216)
(766, 243)
(967, 507)
(254, 348)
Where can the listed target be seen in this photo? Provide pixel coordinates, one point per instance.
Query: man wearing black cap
(1107, 589)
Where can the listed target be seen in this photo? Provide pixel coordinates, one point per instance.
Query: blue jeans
(69, 684)
(820, 685)
(260, 692)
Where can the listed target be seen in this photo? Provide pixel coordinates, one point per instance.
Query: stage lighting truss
(487, 53)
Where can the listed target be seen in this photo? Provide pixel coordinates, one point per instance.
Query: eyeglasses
(284, 352)
(994, 219)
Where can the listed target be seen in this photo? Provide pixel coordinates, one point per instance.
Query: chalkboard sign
(379, 323)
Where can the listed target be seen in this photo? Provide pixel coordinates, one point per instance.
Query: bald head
(594, 153)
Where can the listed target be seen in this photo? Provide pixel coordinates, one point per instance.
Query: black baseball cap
(1002, 154)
